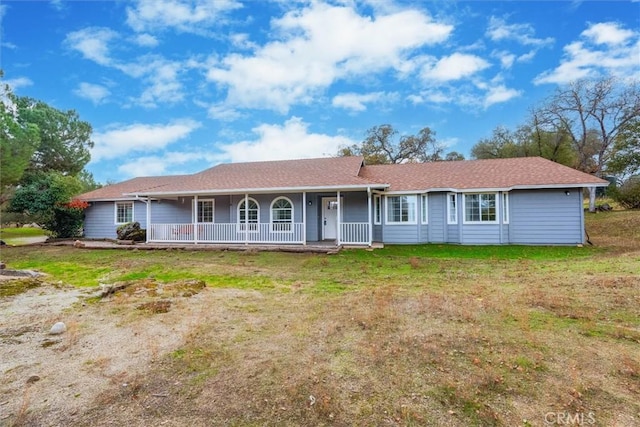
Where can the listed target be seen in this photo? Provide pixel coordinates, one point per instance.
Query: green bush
(628, 194)
(65, 222)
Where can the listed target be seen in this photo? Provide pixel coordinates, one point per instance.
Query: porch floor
(326, 247)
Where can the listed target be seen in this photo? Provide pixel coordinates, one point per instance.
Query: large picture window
(401, 209)
(248, 214)
(124, 212)
(281, 214)
(205, 211)
(480, 207)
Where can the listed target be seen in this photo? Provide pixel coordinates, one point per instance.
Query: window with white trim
(505, 208)
(424, 209)
(452, 208)
(124, 212)
(281, 214)
(401, 209)
(248, 216)
(480, 208)
(377, 209)
(205, 210)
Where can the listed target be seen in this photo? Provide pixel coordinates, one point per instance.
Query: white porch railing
(227, 233)
(354, 233)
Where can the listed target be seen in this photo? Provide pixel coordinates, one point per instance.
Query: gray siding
(401, 233)
(355, 207)
(453, 233)
(546, 217)
(377, 233)
(100, 219)
(481, 234)
(437, 217)
(171, 212)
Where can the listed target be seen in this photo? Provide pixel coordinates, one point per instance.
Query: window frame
(278, 226)
(254, 226)
(505, 208)
(424, 208)
(377, 209)
(452, 210)
(115, 209)
(481, 221)
(413, 211)
(213, 211)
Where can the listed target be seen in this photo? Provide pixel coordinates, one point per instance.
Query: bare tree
(382, 145)
(592, 113)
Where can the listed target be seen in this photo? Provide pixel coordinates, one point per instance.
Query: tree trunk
(592, 199)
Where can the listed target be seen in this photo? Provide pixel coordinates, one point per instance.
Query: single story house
(503, 201)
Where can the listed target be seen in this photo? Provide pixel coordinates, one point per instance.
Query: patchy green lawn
(440, 335)
(21, 236)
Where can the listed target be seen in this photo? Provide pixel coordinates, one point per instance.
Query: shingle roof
(135, 185)
(522, 172)
(285, 174)
(348, 172)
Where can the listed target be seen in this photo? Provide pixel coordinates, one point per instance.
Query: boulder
(131, 231)
(58, 328)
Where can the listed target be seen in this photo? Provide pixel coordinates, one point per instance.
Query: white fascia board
(494, 189)
(356, 187)
(113, 199)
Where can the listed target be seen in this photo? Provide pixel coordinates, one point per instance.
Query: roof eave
(353, 187)
(494, 189)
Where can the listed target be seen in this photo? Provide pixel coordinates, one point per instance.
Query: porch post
(195, 219)
(339, 218)
(246, 219)
(304, 218)
(149, 229)
(370, 225)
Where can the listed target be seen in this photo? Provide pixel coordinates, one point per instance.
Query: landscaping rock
(58, 328)
(131, 231)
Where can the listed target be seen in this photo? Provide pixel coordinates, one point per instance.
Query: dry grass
(396, 340)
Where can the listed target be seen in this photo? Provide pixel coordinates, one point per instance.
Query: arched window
(281, 214)
(248, 215)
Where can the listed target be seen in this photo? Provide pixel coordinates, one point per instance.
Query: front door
(329, 218)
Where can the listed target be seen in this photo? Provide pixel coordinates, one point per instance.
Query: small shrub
(628, 194)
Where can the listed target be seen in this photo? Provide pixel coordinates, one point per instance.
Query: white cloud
(122, 140)
(93, 43)
(608, 33)
(289, 141)
(224, 113)
(506, 58)
(604, 49)
(454, 67)
(92, 92)
(317, 46)
(499, 94)
(499, 30)
(145, 40)
(185, 16)
(356, 101)
(161, 77)
(17, 83)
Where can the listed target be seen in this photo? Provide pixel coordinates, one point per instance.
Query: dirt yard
(109, 341)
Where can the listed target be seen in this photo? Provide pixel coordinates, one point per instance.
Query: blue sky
(176, 86)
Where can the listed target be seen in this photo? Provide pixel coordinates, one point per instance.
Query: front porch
(337, 218)
(351, 233)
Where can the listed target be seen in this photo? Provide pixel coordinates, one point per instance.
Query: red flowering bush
(67, 219)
